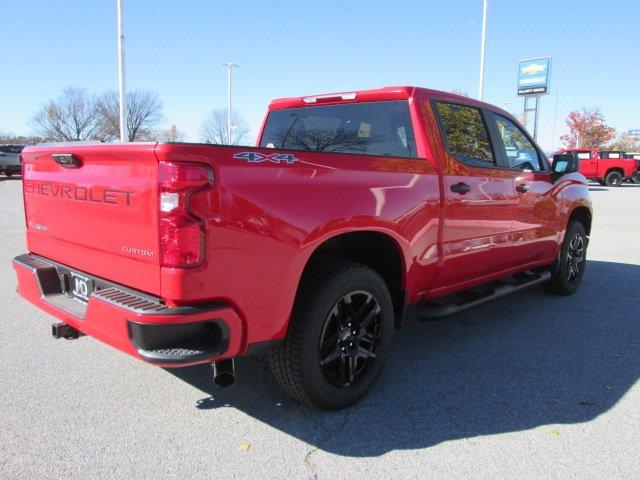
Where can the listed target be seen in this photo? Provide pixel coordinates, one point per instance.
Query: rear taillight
(181, 231)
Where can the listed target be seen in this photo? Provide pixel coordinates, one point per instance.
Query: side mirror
(564, 163)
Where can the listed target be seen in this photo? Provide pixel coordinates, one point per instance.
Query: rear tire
(613, 179)
(568, 269)
(636, 178)
(339, 337)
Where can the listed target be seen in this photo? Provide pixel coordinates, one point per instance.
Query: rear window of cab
(372, 128)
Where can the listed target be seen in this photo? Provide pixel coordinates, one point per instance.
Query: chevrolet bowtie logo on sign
(533, 76)
(533, 69)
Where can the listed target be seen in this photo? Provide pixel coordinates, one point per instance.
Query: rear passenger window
(465, 134)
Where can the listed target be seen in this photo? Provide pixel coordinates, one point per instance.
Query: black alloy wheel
(568, 269)
(614, 179)
(339, 337)
(575, 258)
(350, 338)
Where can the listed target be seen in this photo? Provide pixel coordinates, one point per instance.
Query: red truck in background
(355, 210)
(607, 167)
(635, 156)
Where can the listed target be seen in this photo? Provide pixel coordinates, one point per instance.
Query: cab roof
(402, 92)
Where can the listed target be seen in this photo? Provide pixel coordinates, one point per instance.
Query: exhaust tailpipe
(62, 330)
(224, 373)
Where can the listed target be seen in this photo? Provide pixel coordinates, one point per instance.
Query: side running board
(471, 298)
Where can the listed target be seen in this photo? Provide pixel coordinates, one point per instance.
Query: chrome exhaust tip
(224, 373)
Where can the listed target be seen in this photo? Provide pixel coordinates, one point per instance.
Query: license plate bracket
(80, 287)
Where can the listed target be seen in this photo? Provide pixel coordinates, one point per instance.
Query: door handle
(523, 188)
(461, 188)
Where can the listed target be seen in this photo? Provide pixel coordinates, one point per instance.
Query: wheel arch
(377, 250)
(620, 170)
(583, 215)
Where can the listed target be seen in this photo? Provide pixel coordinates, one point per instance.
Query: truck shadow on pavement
(522, 362)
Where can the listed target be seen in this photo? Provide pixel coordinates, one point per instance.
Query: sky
(295, 48)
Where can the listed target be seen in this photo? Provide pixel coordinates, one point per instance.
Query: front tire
(568, 269)
(636, 178)
(339, 337)
(613, 179)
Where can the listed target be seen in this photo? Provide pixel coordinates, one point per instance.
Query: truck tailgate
(94, 208)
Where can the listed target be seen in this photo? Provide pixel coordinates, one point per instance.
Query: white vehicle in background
(10, 163)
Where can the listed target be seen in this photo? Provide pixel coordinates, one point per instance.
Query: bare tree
(70, 117)
(214, 128)
(144, 112)
(172, 134)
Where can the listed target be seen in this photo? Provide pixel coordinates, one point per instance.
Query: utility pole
(229, 66)
(482, 48)
(121, 76)
(555, 122)
(535, 119)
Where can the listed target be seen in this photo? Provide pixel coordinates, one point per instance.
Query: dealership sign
(533, 76)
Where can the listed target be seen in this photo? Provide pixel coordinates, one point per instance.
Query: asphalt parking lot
(529, 386)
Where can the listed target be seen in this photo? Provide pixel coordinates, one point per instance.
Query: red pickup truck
(356, 210)
(607, 167)
(634, 156)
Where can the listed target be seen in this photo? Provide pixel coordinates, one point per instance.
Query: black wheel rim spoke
(350, 338)
(370, 338)
(352, 370)
(366, 321)
(346, 308)
(364, 309)
(365, 353)
(343, 370)
(332, 357)
(575, 257)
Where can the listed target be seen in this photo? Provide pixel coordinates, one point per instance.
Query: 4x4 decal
(255, 157)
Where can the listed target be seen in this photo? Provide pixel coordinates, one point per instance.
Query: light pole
(482, 48)
(555, 122)
(121, 75)
(229, 66)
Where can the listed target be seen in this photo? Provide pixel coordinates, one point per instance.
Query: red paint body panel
(263, 221)
(108, 323)
(86, 216)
